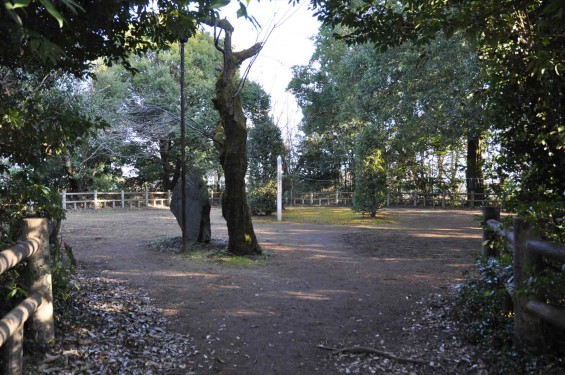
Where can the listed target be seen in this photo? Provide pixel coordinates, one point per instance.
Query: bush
(17, 193)
(370, 184)
(484, 304)
(485, 308)
(263, 199)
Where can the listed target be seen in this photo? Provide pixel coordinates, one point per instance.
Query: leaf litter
(430, 335)
(109, 328)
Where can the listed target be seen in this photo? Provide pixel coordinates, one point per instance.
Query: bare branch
(217, 41)
(241, 56)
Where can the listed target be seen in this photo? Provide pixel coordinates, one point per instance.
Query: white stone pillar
(279, 188)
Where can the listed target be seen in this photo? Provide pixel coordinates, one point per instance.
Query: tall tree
(324, 91)
(242, 239)
(265, 140)
(423, 99)
(144, 111)
(523, 49)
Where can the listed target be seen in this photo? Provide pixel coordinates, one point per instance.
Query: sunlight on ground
(308, 296)
(328, 215)
(222, 257)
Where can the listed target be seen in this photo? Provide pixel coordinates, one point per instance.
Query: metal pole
(183, 146)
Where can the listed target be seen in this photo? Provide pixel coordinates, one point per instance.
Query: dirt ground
(321, 284)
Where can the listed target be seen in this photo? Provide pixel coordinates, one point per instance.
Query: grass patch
(327, 215)
(215, 251)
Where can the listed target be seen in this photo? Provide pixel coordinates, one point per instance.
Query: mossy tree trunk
(242, 239)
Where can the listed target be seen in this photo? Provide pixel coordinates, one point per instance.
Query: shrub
(21, 197)
(263, 199)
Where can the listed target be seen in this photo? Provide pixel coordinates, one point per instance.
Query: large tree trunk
(169, 173)
(474, 171)
(242, 239)
(74, 183)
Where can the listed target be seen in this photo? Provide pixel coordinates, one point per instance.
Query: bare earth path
(331, 285)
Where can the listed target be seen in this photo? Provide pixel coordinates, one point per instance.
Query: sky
(289, 43)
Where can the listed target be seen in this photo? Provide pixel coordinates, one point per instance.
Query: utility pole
(183, 147)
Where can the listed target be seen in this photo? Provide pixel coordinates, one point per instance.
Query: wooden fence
(127, 199)
(120, 199)
(39, 304)
(407, 199)
(528, 251)
(337, 198)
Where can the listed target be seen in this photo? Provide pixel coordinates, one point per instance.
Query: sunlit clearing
(330, 215)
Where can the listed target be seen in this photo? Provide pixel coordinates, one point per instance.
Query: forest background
(415, 95)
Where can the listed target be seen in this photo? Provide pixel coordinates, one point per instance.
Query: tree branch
(241, 56)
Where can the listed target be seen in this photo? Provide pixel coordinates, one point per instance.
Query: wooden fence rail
(529, 310)
(413, 199)
(115, 199)
(39, 304)
(124, 199)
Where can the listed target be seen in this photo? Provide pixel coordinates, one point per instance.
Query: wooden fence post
(123, 199)
(38, 267)
(146, 198)
(169, 197)
(64, 199)
(12, 353)
(527, 327)
(488, 235)
(337, 197)
(311, 198)
(415, 199)
(95, 199)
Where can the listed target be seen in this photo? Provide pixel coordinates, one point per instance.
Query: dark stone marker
(197, 207)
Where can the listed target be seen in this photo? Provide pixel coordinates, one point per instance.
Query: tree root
(366, 350)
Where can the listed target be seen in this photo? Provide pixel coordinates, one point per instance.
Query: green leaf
(12, 293)
(219, 4)
(73, 6)
(16, 4)
(53, 11)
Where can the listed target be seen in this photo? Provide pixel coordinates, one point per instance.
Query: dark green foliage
(263, 147)
(522, 49)
(40, 117)
(21, 195)
(72, 34)
(370, 175)
(422, 99)
(485, 305)
(485, 308)
(12, 287)
(263, 199)
(325, 90)
(63, 267)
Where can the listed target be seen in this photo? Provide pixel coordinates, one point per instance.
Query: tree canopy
(522, 48)
(421, 102)
(72, 34)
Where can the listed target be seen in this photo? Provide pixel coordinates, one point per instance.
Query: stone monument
(197, 207)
